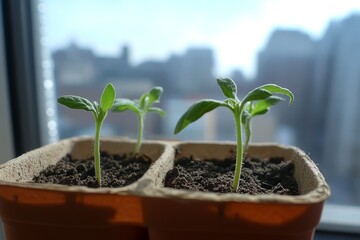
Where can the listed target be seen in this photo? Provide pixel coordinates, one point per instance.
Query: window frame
(6, 146)
(19, 57)
(30, 81)
(340, 218)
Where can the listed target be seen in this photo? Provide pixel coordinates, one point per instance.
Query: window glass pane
(6, 141)
(310, 47)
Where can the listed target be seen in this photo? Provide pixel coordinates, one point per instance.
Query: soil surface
(116, 171)
(257, 177)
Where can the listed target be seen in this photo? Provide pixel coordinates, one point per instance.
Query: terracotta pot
(51, 211)
(211, 216)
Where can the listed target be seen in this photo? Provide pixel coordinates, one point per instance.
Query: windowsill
(340, 218)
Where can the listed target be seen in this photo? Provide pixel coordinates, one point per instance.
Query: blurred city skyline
(236, 30)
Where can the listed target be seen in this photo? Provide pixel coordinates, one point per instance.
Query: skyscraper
(341, 131)
(287, 60)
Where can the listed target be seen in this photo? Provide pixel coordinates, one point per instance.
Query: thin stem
(97, 152)
(239, 147)
(140, 133)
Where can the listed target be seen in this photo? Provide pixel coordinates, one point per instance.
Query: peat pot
(182, 214)
(52, 211)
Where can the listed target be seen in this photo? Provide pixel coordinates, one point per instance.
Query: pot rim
(317, 195)
(145, 186)
(132, 188)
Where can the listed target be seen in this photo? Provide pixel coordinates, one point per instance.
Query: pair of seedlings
(256, 102)
(108, 102)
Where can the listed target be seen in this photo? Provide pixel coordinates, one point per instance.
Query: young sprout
(99, 112)
(141, 107)
(255, 108)
(260, 94)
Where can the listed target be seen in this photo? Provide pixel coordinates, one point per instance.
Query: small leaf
(157, 110)
(257, 94)
(228, 87)
(273, 88)
(144, 100)
(107, 97)
(76, 102)
(154, 94)
(262, 106)
(196, 111)
(260, 112)
(123, 104)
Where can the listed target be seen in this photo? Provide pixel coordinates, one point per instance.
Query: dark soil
(258, 176)
(116, 171)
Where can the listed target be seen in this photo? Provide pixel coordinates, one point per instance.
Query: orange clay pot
(51, 211)
(181, 214)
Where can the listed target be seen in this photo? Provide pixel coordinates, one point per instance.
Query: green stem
(97, 152)
(239, 147)
(248, 135)
(99, 119)
(140, 133)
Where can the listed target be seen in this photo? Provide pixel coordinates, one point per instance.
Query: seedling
(254, 103)
(141, 107)
(99, 112)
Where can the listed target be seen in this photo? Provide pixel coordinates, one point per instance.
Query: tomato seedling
(141, 107)
(256, 102)
(99, 112)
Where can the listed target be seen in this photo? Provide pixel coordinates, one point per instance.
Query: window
(183, 46)
(6, 144)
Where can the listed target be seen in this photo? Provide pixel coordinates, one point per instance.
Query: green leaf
(123, 104)
(144, 100)
(196, 111)
(154, 94)
(107, 97)
(262, 106)
(228, 87)
(257, 94)
(157, 110)
(76, 102)
(260, 112)
(273, 88)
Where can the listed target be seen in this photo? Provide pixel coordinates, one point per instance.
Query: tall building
(192, 71)
(287, 60)
(325, 78)
(74, 66)
(340, 78)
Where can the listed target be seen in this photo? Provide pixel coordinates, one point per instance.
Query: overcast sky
(235, 29)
